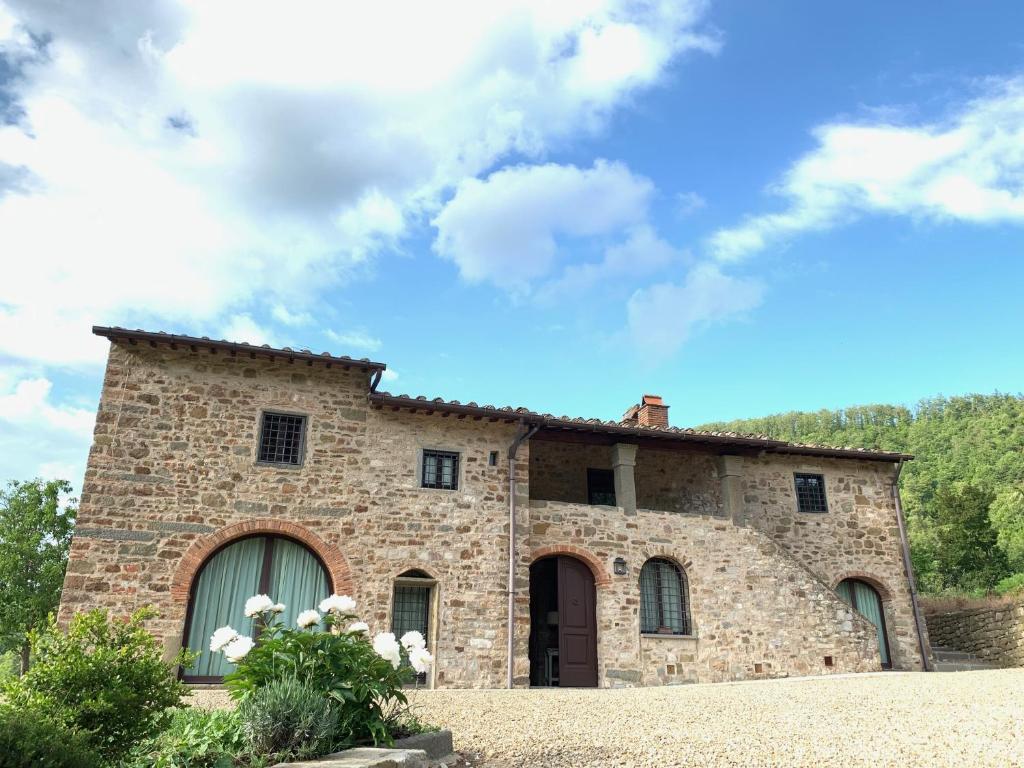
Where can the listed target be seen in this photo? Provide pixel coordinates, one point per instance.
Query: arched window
(269, 565)
(864, 599)
(411, 606)
(664, 598)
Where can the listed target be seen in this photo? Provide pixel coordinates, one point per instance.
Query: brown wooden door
(577, 625)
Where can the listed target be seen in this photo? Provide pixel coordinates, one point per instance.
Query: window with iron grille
(810, 493)
(664, 599)
(282, 438)
(601, 487)
(441, 470)
(411, 609)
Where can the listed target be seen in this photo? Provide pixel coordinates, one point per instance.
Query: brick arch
(601, 577)
(665, 553)
(883, 591)
(201, 550)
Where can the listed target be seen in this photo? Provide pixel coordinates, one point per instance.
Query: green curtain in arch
(230, 578)
(866, 601)
(235, 574)
(296, 579)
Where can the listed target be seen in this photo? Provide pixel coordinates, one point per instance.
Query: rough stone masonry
(173, 476)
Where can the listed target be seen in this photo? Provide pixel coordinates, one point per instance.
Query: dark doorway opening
(563, 624)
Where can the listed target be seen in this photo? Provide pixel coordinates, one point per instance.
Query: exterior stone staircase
(951, 660)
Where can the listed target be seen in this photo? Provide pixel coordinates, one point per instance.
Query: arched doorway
(273, 565)
(864, 599)
(563, 623)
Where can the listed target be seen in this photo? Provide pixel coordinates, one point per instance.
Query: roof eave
(232, 347)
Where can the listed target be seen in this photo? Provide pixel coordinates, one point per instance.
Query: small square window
(440, 470)
(282, 438)
(492, 459)
(601, 487)
(810, 493)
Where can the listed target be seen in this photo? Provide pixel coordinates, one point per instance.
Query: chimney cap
(652, 400)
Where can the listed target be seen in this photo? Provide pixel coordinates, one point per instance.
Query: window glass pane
(429, 469)
(440, 470)
(281, 438)
(664, 604)
(230, 578)
(411, 612)
(601, 487)
(296, 579)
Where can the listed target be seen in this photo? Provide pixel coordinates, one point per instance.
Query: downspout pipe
(523, 434)
(908, 565)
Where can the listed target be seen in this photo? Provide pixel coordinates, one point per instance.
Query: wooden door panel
(577, 624)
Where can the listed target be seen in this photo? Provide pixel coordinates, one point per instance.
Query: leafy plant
(287, 719)
(402, 722)
(104, 678)
(35, 536)
(29, 740)
(1011, 585)
(362, 680)
(189, 737)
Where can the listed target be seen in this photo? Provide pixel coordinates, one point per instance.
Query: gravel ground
(889, 719)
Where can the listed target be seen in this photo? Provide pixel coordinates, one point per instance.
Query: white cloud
(244, 329)
(39, 437)
(505, 229)
(358, 339)
(389, 375)
(663, 316)
(689, 202)
(968, 168)
(642, 253)
(282, 314)
(181, 159)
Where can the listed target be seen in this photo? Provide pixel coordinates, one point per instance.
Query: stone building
(639, 554)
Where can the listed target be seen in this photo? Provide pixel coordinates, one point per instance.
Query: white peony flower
(258, 604)
(222, 637)
(359, 626)
(237, 649)
(413, 639)
(277, 608)
(337, 604)
(308, 619)
(421, 659)
(387, 648)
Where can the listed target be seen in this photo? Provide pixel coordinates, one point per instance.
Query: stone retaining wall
(995, 635)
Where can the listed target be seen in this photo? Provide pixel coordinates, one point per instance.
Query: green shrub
(1011, 585)
(29, 740)
(362, 679)
(191, 738)
(104, 678)
(289, 719)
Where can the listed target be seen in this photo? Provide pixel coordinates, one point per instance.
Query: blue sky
(744, 207)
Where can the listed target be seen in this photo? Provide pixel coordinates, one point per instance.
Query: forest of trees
(964, 491)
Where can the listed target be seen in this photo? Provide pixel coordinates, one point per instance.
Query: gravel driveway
(889, 719)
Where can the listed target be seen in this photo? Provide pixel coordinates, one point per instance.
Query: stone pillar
(730, 475)
(623, 464)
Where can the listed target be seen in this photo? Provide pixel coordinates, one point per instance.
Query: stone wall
(751, 604)
(173, 466)
(857, 538)
(995, 635)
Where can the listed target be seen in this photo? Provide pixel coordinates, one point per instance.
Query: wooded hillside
(964, 492)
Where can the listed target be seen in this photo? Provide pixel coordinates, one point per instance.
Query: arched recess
(872, 600)
(203, 548)
(601, 577)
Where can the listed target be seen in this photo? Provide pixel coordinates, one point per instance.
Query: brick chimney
(649, 412)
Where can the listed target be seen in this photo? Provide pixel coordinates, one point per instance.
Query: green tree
(966, 553)
(1007, 516)
(35, 536)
